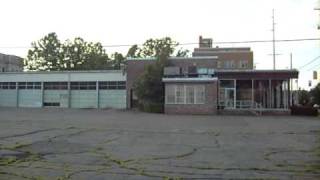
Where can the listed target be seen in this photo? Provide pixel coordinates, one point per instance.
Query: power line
(314, 59)
(314, 67)
(233, 42)
(194, 43)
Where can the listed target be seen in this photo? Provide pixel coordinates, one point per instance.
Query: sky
(114, 22)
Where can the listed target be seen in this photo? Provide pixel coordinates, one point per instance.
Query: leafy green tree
(315, 94)
(49, 54)
(149, 87)
(182, 52)
(304, 97)
(45, 54)
(133, 52)
(82, 55)
(154, 47)
(117, 60)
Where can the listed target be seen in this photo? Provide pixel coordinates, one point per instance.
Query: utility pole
(318, 9)
(291, 61)
(273, 41)
(291, 86)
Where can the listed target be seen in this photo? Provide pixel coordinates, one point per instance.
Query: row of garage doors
(62, 98)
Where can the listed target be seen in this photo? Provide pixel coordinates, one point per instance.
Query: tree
(182, 52)
(315, 94)
(149, 87)
(82, 55)
(133, 52)
(153, 47)
(117, 60)
(304, 97)
(49, 54)
(45, 54)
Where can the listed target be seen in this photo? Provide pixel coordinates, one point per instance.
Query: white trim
(197, 79)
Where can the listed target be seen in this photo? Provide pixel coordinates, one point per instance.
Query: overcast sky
(115, 22)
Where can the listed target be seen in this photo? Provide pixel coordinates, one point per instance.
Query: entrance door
(229, 97)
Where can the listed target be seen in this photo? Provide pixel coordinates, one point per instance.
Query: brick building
(10, 63)
(215, 80)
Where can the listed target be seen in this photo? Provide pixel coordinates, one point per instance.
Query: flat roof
(196, 79)
(62, 72)
(53, 76)
(255, 70)
(173, 58)
(257, 74)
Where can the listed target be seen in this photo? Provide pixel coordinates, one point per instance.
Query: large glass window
(185, 94)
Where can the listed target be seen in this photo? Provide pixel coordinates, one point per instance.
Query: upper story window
(229, 64)
(244, 64)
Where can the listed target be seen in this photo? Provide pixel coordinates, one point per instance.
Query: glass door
(229, 98)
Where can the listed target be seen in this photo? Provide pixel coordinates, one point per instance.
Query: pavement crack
(28, 133)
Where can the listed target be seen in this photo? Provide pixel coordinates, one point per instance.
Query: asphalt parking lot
(111, 144)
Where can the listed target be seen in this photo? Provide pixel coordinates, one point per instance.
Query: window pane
(226, 83)
(200, 94)
(29, 85)
(5, 85)
(74, 85)
(170, 94)
(190, 94)
(22, 85)
(180, 94)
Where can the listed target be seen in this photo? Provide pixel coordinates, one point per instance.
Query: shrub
(152, 107)
(304, 110)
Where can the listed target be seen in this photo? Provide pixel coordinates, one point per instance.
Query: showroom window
(185, 94)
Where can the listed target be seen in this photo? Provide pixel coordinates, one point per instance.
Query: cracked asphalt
(62, 144)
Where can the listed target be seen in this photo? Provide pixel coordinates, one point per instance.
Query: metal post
(270, 97)
(69, 91)
(235, 94)
(252, 93)
(42, 94)
(97, 93)
(69, 95)
(289, 94)
(17, 94)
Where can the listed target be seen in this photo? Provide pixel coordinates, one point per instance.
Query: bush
(304, 110)
(152, 107)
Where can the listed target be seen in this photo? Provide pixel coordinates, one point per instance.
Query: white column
(97, 93)
(252, 93)
(69, 91)
(17, 94)
(42, 93)
(235, 94)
